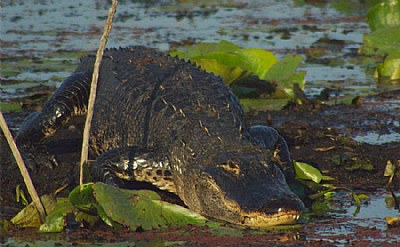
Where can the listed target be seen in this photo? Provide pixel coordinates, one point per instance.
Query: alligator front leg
(268, 138)
(133, 164)
(68, 101)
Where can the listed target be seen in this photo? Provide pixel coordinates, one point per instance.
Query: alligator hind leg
(133, 164)
(68, 101)
(268, 138)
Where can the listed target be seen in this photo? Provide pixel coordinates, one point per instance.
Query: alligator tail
(70, 100)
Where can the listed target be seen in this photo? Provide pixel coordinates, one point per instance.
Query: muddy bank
(325, 136)
(312, 132)
(313, 135)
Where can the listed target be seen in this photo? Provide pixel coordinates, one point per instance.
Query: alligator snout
(248, 191)
(271, 204)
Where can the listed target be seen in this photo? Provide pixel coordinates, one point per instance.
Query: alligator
(161, 120)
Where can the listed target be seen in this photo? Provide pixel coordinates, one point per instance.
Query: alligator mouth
(281, 218)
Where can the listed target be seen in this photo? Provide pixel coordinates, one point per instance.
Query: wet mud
(312, 138)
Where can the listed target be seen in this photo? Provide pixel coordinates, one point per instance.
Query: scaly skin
(162, 120)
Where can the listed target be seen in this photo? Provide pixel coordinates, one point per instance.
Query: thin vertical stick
(21, 165)
(93, 87)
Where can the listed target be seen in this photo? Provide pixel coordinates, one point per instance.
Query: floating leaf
(232, 63)
(227, 73)
(357, 200)
(284, 69)
(325, 194)
(143, 209)
(56, 218)
(389, 169)
(363, 196)
(385, 14)
(329, 194)
(28, 216)
(229, 59)
(380, 43)
(390, 67)
(393, 221)
(104, 217)
(308, 172)
(284, 72)
(328, 178)
(202, 49)
(82, 198)
(257, 61)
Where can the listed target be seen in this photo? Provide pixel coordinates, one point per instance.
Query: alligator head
(244, 188)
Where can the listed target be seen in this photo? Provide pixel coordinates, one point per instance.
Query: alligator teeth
(276, 219)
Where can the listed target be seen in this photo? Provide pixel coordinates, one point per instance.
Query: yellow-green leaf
(308, 172)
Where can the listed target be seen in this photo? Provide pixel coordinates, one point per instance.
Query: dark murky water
(39, 31)
(42, 40)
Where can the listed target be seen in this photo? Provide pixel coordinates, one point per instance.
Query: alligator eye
(231, 167)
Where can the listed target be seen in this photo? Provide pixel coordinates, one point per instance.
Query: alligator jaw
(257, 219)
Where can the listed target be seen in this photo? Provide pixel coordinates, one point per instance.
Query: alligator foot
(36, 157)
(132, 164)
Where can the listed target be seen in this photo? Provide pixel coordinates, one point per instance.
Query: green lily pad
(142, 209)
(227, 73)
(232, 63)
(56, 208)
(28, 216)
(257, 61)
(202, 49)
(284, 69)
(382, 41)
(83, 199)
(56, 218)
(104, 217)
(385, 14)
(284, 72)
(229, 59)
(390, 67)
